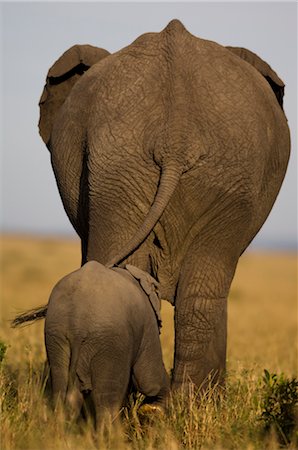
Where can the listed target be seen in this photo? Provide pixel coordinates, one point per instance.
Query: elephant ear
(150, 287)
(61, 78)
(275, 82)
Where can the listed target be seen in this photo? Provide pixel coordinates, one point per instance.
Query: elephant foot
(149, 411)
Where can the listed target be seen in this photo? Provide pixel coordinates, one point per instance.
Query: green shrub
(279, 405)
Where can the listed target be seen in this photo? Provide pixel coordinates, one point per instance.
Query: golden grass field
(262, 333)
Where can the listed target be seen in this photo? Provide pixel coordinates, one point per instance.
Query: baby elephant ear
(61, 78)
(150, 286)
(275, 82)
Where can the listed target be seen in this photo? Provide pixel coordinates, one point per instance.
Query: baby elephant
(102, 334)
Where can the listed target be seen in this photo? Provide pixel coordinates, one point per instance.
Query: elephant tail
(170, 176)
(30, 316)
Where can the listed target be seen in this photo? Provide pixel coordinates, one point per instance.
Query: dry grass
(262, 334)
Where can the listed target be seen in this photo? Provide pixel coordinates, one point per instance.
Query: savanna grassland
(262, 334)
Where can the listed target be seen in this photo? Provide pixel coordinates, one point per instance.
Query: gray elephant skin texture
(169, 155)
(102, 336)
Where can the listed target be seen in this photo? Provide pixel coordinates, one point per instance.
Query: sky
(35, 34)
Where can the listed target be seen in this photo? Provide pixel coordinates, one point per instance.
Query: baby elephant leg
(110, 379)
(151, 378)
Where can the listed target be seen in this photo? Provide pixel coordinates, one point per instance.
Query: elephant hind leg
(58, 352)
(149, 374)
(201, 316)
(110, 379)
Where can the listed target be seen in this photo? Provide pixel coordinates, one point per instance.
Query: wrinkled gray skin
(101, 334)
(169, 154)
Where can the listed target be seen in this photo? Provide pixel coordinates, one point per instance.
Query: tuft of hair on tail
(30, 316)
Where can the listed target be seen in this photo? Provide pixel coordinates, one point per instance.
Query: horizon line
(262, 244)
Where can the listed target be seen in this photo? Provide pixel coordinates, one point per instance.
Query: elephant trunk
(169, 180)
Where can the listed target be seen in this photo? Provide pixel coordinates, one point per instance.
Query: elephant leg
(69, 162)
(149, 375)
(84, 250)
(201, 315)
(109, 378)
(58, 353)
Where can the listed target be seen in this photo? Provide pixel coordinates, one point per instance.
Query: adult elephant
(169, 155)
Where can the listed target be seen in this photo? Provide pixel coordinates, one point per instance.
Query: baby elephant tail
(30, 316)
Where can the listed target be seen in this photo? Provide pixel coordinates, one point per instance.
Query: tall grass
(229, 419)
(262, 334)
